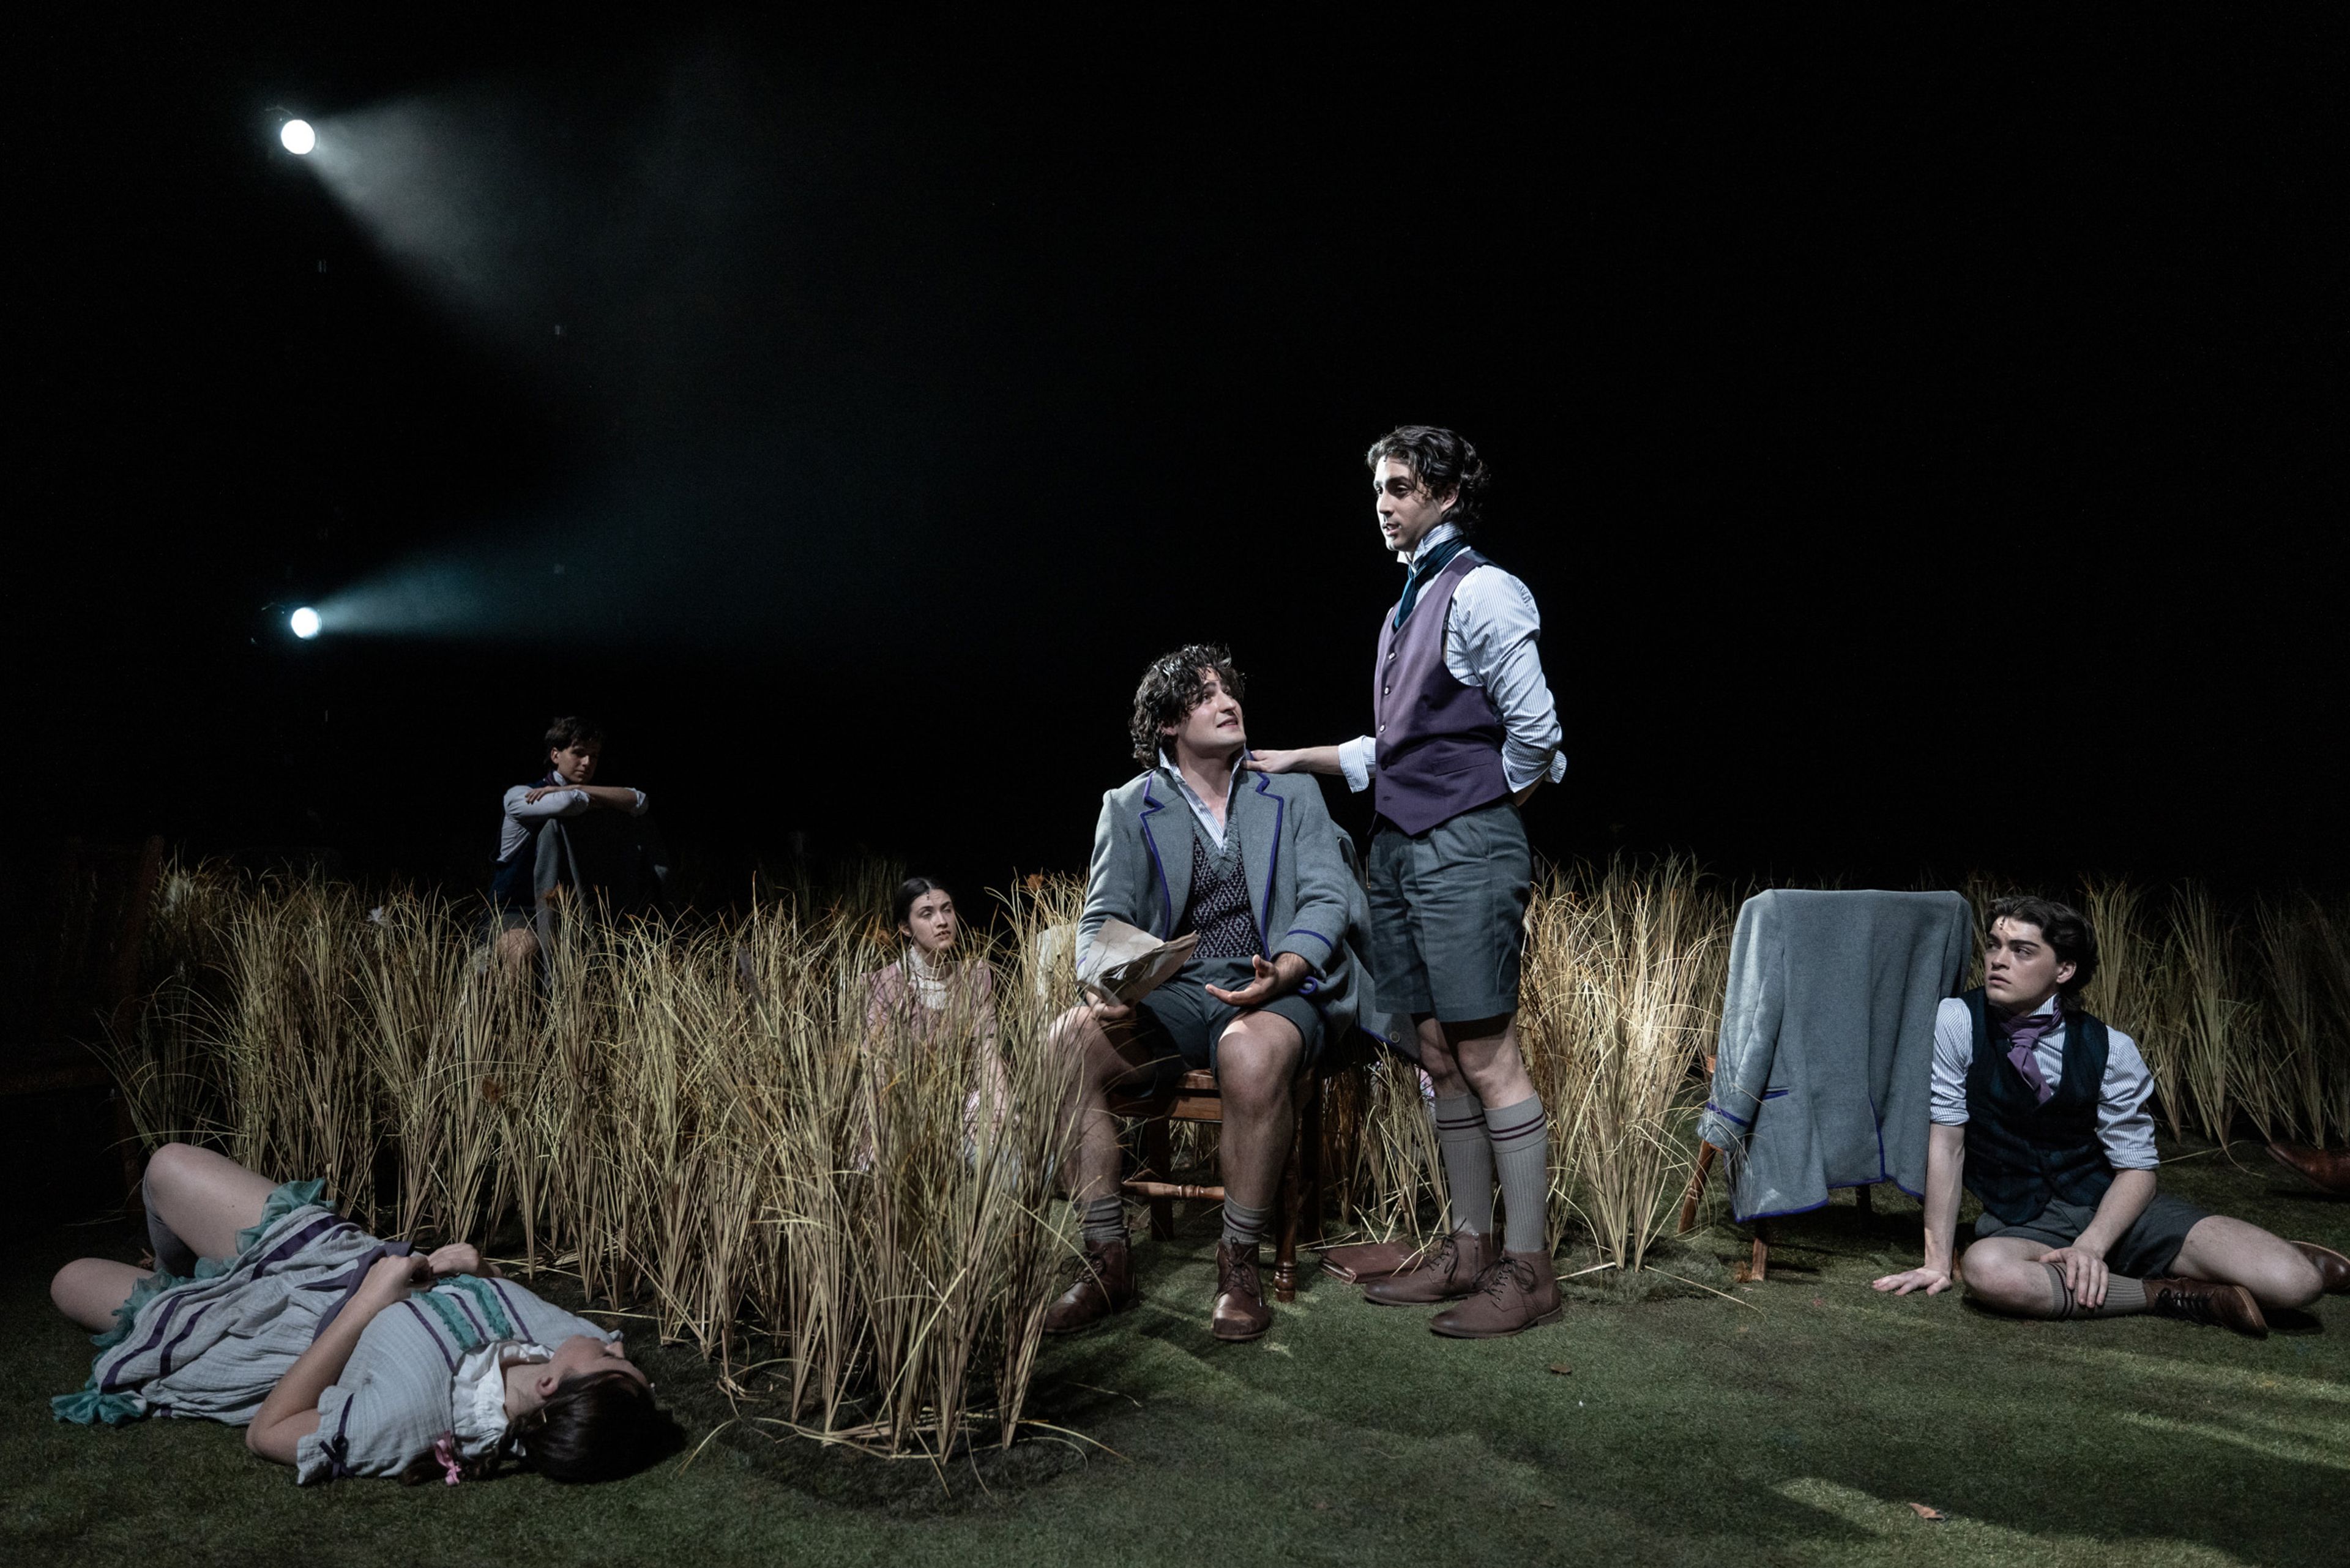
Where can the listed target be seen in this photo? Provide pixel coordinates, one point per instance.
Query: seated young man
(2040, 1111)
(574, 748)
(1202, 842)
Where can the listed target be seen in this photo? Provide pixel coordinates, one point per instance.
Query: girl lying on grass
(342, 1354)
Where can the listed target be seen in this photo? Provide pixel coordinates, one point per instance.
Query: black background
(1923, 441)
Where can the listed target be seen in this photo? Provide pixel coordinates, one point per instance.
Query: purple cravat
(2022, 1035)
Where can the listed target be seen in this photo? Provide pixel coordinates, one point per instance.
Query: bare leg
(2236, 1252)
(1487, 1052)
(1256, 1071)
(2008, 1276)
(1103, 1064)
(87, 1290)
(517, 951)
(205, 1198)
(1436, 1060)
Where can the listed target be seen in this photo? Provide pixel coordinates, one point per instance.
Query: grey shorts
(1449, 914)
(2148, 1247)
(1177, 1027)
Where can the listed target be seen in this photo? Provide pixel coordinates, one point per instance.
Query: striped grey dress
(213, 1346)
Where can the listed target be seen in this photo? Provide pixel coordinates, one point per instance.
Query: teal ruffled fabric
(89, 1404)
(145, 1291)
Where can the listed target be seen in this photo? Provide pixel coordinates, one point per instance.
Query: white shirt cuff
(1355, 759)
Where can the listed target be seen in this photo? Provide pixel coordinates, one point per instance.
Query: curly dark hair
(1443, 461)
(2064, 929)
(1172, 688)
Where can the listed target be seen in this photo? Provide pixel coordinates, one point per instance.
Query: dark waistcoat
(2020, 1153)
(1439, 743)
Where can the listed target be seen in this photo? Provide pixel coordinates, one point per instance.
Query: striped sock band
(1468, 1161)
(1104, 1219)
(1242, 1224)
(1521, 1138)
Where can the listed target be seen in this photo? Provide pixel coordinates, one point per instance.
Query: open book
(1126, 964)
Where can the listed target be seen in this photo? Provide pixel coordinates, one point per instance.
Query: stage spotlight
(304, 623)
(298, 138)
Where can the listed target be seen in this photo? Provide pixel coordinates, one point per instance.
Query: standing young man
(2040, 1111)
(1199, 842)
(1463, 731)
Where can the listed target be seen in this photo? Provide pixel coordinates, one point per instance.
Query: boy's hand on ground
(1278, 978)
(1933, 1281)
(2085, 1273)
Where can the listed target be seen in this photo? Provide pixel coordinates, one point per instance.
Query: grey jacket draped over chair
(1823, 1072)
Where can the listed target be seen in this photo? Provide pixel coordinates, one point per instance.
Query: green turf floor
(1791, 1429)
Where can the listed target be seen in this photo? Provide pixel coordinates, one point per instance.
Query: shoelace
(1504, 1272)
(2197, 1307)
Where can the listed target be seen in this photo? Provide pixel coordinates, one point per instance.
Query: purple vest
(1439, 743)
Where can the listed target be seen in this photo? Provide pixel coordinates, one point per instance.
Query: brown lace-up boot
(2205, 1302)
(1448, 1271)
(1519, 1291)
(1240, 1312)
(1107, 1286)
(2333, 1268)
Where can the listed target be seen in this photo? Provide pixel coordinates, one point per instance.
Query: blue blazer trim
(1279, 810)
(1301, 931)
(1151, 806)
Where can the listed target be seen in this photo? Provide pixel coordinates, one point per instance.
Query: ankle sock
(1468, 1153)
(1243, 1226)
(1104, 1219)
(1520, 1139)
(2123, 1297)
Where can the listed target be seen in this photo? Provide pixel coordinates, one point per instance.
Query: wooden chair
(1194, 1097)
(1757, 1270)
(103, 893)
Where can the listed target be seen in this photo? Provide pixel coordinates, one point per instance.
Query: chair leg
(1285, 1257)
(1159, 1147)
(1862, 1201)
(1312, 1135)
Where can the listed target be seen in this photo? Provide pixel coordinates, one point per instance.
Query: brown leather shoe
(1358, 1261)
(1448, 1271)
(2328, 1170)
(1519, 1291)
(2205, 1302)
(1107, 1286)
(2333, 1268)
(1240, 1312)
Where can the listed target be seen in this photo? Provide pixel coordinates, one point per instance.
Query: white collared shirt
(2125, 1126)
(1490, 634)
(1199, 807)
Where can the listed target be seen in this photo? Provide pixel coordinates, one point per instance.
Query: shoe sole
(1430, 1301)
(1547, 1318)
(1116, 1308)
(1223, 1338)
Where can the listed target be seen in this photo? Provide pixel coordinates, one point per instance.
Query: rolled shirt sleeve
(1954, 1052)
(1356, 760)
(642, 805)
(2125, 1126)
(558, 802)
(1491, 642)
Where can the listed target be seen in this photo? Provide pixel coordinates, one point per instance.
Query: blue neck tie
(1423, 571)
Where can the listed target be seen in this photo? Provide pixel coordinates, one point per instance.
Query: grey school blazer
(1305, 899)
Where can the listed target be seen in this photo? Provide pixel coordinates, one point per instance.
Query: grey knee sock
(1104, 1219)
(1242, 1224)
(1521, 1138)
(173, 1255)
(1468, 1161)
(2123, 1297)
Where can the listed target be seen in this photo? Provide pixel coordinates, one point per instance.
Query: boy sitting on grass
(2041, 1111)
